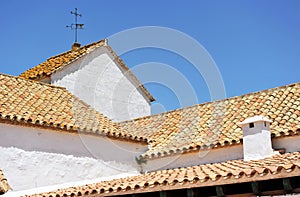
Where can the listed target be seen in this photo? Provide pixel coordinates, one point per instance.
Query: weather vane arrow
(75, 26)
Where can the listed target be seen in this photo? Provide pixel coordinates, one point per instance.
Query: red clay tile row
(234, 171)
(38, 104)
(215, 124)
(56, 62)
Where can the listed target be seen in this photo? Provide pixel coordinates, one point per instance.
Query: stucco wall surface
(290, 144)
(32, 169)
(195, 158)
(98, 80)
(67, 143)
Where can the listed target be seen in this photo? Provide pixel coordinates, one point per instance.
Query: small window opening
(265, 123)
(251, 125)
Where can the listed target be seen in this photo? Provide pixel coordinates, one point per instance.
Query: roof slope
(215, 124)
(58, 62)
(37, 104)
(54, 63)
(230, 172)
(4, 186)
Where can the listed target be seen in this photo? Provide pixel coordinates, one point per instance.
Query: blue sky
(255, 44)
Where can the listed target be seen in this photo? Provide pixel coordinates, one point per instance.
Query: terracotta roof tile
(214, 124)
(4, 186)
(229, 172)
(54, 63)
(38, 104)
(58, 62)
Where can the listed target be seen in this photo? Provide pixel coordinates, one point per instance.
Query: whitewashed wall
(99, 81)
(32, 157)
(69, 143)
(195, 158)
(32, 169)
(290, 144)
(28, 155)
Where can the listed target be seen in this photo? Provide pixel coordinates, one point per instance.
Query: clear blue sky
(255, 44)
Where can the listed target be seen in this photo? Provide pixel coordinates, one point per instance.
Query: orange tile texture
(38, 104)
(215, 124)
(46, 68)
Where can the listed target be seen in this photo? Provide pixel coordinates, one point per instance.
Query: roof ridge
(23, 74)
(210, 102)
(33, 81)
(59, 62)
(84, 46)
(128, 71)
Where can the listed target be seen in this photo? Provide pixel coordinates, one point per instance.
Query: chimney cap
(259, 118)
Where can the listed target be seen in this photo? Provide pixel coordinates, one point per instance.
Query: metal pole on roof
(75, 26)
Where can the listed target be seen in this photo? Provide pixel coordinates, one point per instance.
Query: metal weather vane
(75, 26)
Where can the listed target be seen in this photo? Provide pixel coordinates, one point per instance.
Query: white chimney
(256, 138)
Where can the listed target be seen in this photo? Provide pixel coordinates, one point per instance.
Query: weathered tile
(216, 122)
(65, 111)
(208, 174)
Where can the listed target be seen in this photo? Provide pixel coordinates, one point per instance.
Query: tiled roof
(38, 104)
(4, 186)
(230, 172)
(54, 63)
(215, 124)
(58, 62)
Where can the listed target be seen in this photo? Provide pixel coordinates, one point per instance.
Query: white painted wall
(99, 81)
(66, 157)
(195, 158)
(32, 157)
(68, 143)
(31, 169)
(291, 144)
